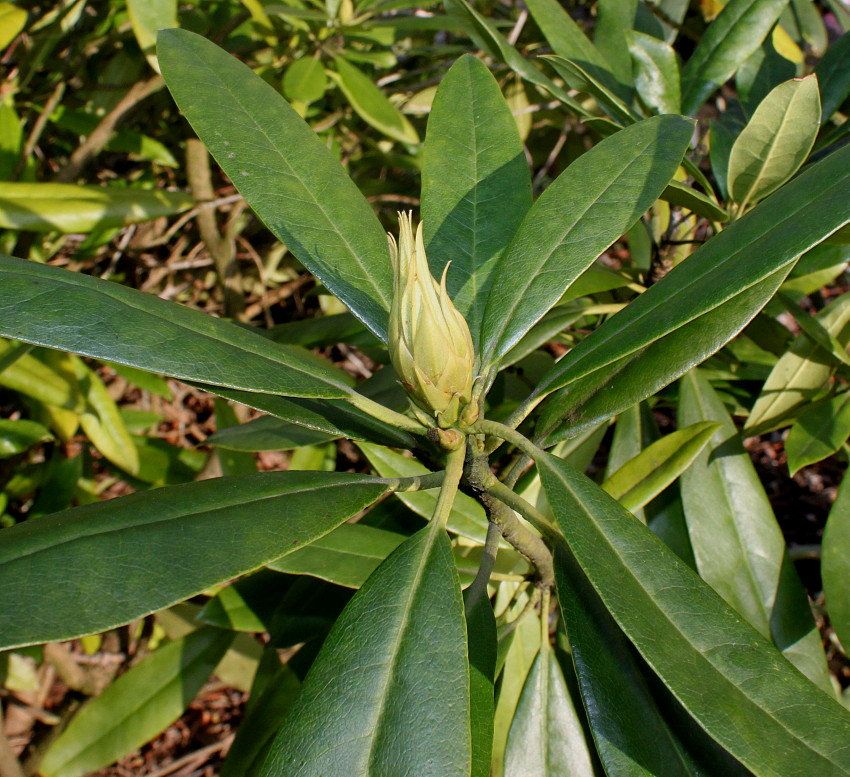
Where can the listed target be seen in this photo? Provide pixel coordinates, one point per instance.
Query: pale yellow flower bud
(429, 341)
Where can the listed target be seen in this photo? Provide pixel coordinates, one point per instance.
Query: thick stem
(526, 510)
(506, 433)
(478, 588)
(384, 414)
(454, 472)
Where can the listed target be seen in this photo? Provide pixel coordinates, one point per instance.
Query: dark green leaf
(834, 76)
(476, 184)
(736, 33)
(592, 203)
(818, 432)
(733, 681)
(267, 434)
(657, 72)
(159, 547)
(835, 562)
(60, 309)
(287, 174)
(389, 691)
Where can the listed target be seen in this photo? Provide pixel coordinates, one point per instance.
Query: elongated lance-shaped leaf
(737, 544)
(819, 432)
(737, 32)
(835, 563)
(137, 706)
(592, 203)
(613, 686)
(834, 76)
(159, 547)
(74, 312)
(733, 681)
(546, 737)
(476, 184)
(776, 140)
(287, 175)
(760, 248)
(389, 691)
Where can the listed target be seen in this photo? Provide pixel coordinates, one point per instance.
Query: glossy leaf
(74, 312)
(730, 679)
(17, 436)
(286, 173)
(776, 140)
(65, 207)
(737, 544)
(835, 564)
(546, 738)
(613, 686)
(645, 476)
(467, 517)
(818, 432)
(834, 76)
(137, 706)
(476, 184)
(736, 33)
(372, 104)
(726, 281)
(801, 373)
(592, 203)
(267, 434)
(657, 72)
(169, 544)
(579, 79)
(389, 690)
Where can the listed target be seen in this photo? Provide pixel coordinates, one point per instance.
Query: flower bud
(429, 341)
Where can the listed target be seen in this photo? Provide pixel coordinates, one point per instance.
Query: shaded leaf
(818, 432)
(835, 564)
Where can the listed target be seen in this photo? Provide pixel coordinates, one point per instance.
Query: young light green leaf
(12, 21)
(467, 517)
(592, 203)
(137, 706)
(146, 18)
(725, 282)
(160, 547)
(287, 174)
(737, 686)
(657, 72)
(372, 104)
(818, 432)
(546, 738)
(737, 32)
(801, 373)
(476, 184)
(737, 544)
(389, 690)
(78, 313)
(304, 81)
(835, 564)
(44, 207)
(17, 436)
(775, 142)
(641, 479)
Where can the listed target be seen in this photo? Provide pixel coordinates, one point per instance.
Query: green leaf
(17, 436)
(137, 706)
(488, 38)
(147, 17)
(613, 686)
(615, 19)
(835, 564)
(775, 142)
(44, 207)
(834, 76)
(476, 184)
(267, 434)
(736, 33)
(389, 690)
(160, 547)
(286, 173)
(546, 738)
(346, 556)
(737, 686)
(12, 21)
(657, 72)
(818, 432)
(74, 312)
(737, 544)
(482, 649)
(801, 373)
(592, 203)
(700, 304)
(679, 194)
(645, 476)
(305, 81)
(467, 517)
(371, 104)
(764, 70)
(568, 40)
